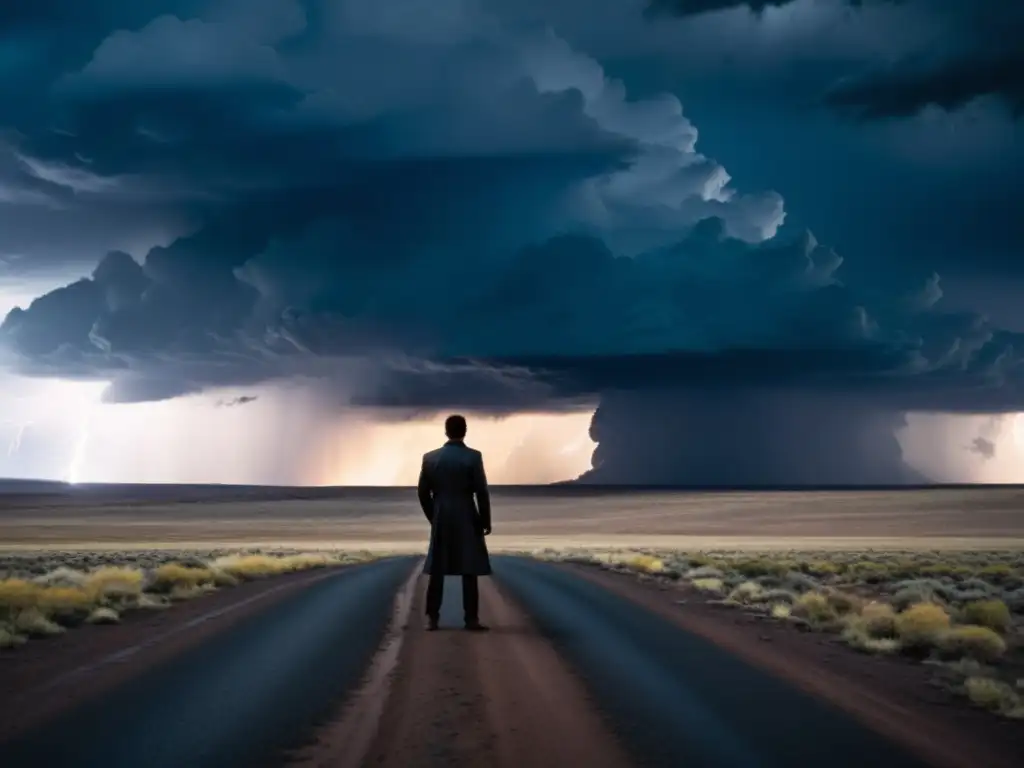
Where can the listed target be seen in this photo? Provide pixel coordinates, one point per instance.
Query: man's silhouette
(451, 476)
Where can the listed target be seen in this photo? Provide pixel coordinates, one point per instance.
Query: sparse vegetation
(979, 643)
(42, 595)
(961, 611)
(994, 695)
(993, 614)
(920, 626)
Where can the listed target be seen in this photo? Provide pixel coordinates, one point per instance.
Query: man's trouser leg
(470, 599)
(435, 594)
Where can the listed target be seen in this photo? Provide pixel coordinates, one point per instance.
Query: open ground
(389, 519)
(857, 627)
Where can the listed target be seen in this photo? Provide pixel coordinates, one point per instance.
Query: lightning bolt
(74, 473)
(15, 445)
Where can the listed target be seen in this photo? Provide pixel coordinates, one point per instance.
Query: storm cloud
(430, 207)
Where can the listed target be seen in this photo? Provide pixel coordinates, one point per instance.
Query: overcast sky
(807, 207)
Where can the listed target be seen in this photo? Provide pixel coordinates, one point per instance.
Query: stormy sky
(763, 242)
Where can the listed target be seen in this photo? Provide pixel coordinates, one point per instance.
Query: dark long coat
(451, 476)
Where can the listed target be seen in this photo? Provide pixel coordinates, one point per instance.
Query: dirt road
(340, 672)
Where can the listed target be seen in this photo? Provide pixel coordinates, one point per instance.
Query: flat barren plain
(46, 516)
(637, 626)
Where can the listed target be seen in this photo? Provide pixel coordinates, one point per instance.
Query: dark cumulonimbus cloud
(491, 196)
(698, 7)
(487, 221)
(972, 50)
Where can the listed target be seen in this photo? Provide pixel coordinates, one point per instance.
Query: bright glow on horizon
(60, 430)
(521, 449)
(942, 447)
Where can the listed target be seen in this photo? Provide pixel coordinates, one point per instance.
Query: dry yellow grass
(980, 643)
(65, 596)
(16, 594)
(709, 585)
(168, 577)
(921, 625)
(747, 592)
(878, 620)
(815, 607)
(247, 567)
(645, 563)
(115, 583)
(64, 604)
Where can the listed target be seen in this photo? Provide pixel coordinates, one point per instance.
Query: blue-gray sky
(509, 205)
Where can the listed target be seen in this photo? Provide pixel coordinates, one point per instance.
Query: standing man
(451, 476)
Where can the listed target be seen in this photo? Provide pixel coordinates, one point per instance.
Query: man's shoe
(431, 623)
(476, 626)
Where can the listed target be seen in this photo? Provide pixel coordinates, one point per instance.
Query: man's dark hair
(455, 426)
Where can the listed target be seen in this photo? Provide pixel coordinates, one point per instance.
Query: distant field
(83, 517)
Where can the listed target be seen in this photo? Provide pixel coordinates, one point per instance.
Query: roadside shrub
(31, 622)
(921, 625)
(103, 615)
(172, 576)
(843, 602)
(869, 571)
(64, 604)
(747, 592)
(1014, 600)
(856, 636)
(222, 578)
(778, 596)
(994, 695)
(61, 576)
(704, 572)
(993, 614)
(781, 610)
(306, 561)
(815, 607)
(976, 584)
(908, 596)
(820, 568)
(9, 638)
(17, 593)
(945, 569)
(969, 595)
(644, 564)
(119, 584)
(149, 602)
(763, 567)
(697, 559)
(248, 567)
(878, 620)
(979, 643)
(709, 585)
(800, 582)
(997, 574)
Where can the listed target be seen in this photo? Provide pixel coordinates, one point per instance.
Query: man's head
(455, 427)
